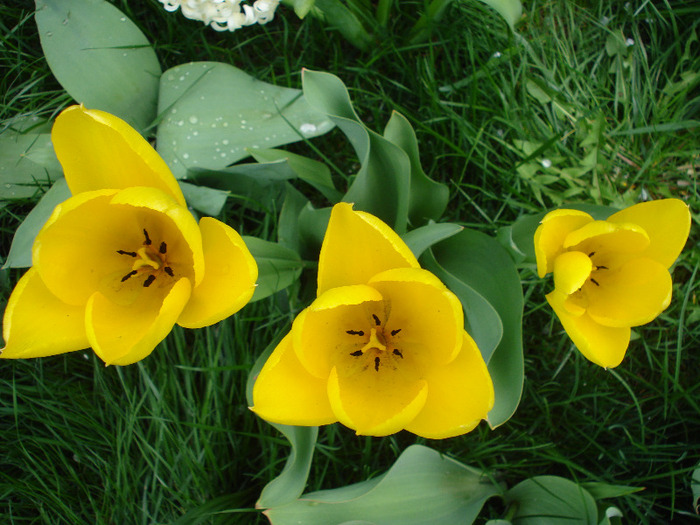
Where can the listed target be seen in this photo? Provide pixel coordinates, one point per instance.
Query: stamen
(376, 364)
(163, 248)
(398, 353)
(394, 332)
(601, 267)
(356, 353)
(354, 332)
(169, 271)
(130, 254)
(149, 281)
(130, 274)
(594, 281)
(591, 254)
(148, 241)
(376, 320)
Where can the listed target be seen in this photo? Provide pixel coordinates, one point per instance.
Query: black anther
(591, 254)
(356, 353)
(394, 332)
(376, 364)
(130, 274)
(594, 281)
(376, 320)
(354, 332)
(398, 353)
(601, 267)
(148, 241)
(130, 254)
(149, 281)
(163, 248)
(169, 271)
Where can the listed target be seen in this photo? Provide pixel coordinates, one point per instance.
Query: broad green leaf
(423, 487)
(312, 228)
(288, 225)
(20, 255)
(310, 171)
(695, 487)
(290, 483)
(278, 266)
(510, 10)
(480, 262)
(209, 201)
(605, 490)
(339, 17)
(27, 161)
(427, 198)
(382, 184)
(100, 58)
(211, 113)
(551, 500)
(422, 238)
(610, 516)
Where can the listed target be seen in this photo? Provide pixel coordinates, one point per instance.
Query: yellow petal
(121, 335)
(460, 394)
(631, 295)
(286, 393)
(666, 222)
(376, 403)
(603, 345)
(320, 332)
(602, 237)
(98, 150)
(428, 315)
(550, 235)
(357, 246)
(37, 324)
(229, 279)
(77, 253)
(571, 270)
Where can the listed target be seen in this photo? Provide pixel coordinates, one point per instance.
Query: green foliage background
(562, 111)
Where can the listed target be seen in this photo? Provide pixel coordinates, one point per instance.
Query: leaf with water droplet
(222, 103)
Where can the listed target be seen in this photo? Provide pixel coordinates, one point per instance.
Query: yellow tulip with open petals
(610, 275)
(381, 349)
(122, 260)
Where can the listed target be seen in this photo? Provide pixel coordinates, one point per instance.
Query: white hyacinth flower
(224, 15)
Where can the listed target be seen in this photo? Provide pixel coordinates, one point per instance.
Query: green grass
(144, 444)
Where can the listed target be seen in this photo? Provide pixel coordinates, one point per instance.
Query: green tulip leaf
(551, 500)
(27, 160)
(482, 264)
(100, 58)
(695, 487)
(211, 113)
(288, 233)
(313, 223)
(278, 266)
(310, 171)
(605, 490)
(20, 255)
(339, 17)
(290, 483)
(422, 238)
(422, 487)
(381, 186)
(428, 198)
(510, 10)
(209, 201)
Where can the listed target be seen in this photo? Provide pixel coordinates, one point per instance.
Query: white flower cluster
(224, 15)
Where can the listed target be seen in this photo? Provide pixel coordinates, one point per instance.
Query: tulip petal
(357, 246)
(286, 393)
(37, 324)
(571, 271)
(665, 221)
(98, 151)
(632, 295)
(428, 315)
(607, 238)
(229, 279)
(121, 335)
(460, 394)
(550, 235)
(603, 345)
(78, 252)
(321, 331)
(376, 403)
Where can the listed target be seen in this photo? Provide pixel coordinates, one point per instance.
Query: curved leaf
(551, 500)
(278, 266)
(422, 238)
(212, 112)
(100, 58)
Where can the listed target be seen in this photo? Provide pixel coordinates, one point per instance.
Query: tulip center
(381, 344)
(148, 261)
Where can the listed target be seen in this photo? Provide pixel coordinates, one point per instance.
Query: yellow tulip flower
(382, 348)
(610, 275)
(122, 260)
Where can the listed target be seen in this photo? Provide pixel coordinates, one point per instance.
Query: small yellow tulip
(122, 260)
(610, 275)
(382, 348)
